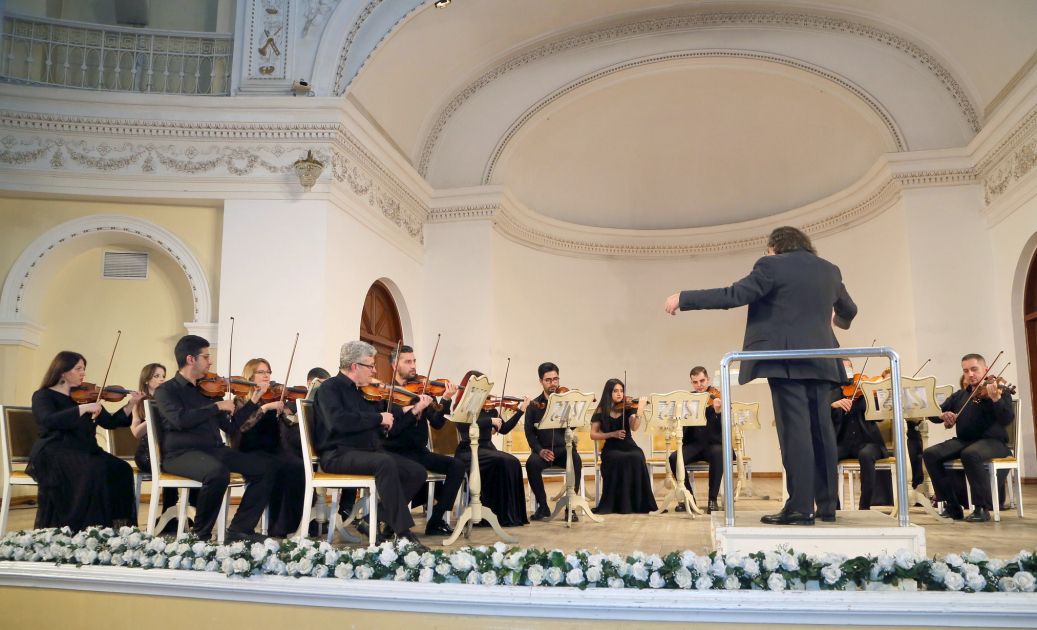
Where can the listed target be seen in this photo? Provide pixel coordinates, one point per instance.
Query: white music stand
(570, 411)
(670, 413)
(744, 417)
(467, 412)
(919, 401)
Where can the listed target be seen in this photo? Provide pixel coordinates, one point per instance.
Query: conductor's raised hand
(672, 304)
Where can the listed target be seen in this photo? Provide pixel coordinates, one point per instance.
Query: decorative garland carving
(598, 36)
(1014, 158)
(887, 119)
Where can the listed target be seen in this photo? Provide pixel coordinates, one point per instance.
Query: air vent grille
(126, 265)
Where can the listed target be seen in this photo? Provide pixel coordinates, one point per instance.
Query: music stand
(744, 416)
(467, 412)
(570, 411)
(919, 401)
(670, 413)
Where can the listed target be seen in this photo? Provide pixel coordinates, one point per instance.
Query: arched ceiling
(652, 114)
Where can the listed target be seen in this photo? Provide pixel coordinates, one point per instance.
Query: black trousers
(396, 477)
(446, 492)
(973, 457)
(213, 469)
(867, 455)
(803, 412)
(713, 454)
(536, 465)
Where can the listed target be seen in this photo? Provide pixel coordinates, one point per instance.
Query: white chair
(17, 435)
(336, 482)
(160, 480)
(1010, 463)
(123, 445)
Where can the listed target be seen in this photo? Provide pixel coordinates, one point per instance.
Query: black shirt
(712, 433)
(485, 423)
(852, 431)
(980, 418)
(345, 419)
(190, 420)
(541, 438)
(415, 436)
(59, 421)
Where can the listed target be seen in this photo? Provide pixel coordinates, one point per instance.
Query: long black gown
(501, 473)
(626, 485)
(79, 483)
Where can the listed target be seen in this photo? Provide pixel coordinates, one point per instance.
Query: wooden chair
(1010, 463)
(335, 482)
(17, 435)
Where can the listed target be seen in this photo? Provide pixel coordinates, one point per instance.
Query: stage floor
(668, 532)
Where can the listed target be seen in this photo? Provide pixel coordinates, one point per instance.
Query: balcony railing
(72, 54)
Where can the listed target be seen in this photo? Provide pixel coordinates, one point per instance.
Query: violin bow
(503, 389)
(104, 383)
(392, 382)
(284, 388)
(975, 390)
(230, 350)
(624, 416)
(858, 387)
(919, 368)
(430, 364)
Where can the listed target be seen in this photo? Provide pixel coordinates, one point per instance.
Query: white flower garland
(500, 564)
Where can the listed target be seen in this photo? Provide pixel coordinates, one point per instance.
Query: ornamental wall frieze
(1012, 160)
(598, 36)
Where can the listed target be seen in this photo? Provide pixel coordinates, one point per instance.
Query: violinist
(192, 446)
(547, 446)
(704, 444)
(857, 438)
(79, 483)
(413, 441)
(980, 429)
(347, 429)
(626, 482)
(502, 487)
(260, 432)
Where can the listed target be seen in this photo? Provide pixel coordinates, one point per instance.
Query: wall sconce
(308, 169)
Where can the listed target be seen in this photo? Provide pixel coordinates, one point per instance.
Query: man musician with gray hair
(348, 430)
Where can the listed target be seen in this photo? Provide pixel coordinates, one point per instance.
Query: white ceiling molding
(702, 23)
(897, 141)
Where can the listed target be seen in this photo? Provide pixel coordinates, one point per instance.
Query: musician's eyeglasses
(370, 367)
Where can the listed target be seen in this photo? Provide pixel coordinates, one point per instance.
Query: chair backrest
(1015, 430)
(305, 415)
(659, 443)
(121, 443)
(444, 441)
(584, 444)
(17, 435)
(154, 448)
(515, 441)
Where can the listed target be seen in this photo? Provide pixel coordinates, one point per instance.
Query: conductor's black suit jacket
(791, 298)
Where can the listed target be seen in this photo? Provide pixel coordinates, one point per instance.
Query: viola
(421, 385)
(215, 386)
(379, 391)
(88, 393)
(543, 405)
(510, 402)
(853, 390)
(273, 394)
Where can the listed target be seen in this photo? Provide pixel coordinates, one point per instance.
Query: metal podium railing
(822, 353)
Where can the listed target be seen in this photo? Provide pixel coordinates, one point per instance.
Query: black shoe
(680, 507)
(542, 514)
(574, 519)
(438, 528)
(828, 518)
(979, 515)
(246, 537)
(712, 506)
(408, 534)
(956, 514)
(786, 517)
(361, 526)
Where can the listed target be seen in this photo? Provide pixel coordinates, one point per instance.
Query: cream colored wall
(81, 311)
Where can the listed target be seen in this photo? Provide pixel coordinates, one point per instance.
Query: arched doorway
(1030, 322)
(380, 326)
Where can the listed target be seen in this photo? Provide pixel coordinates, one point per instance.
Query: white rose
(320, 571)
(174, 562)
(885, 562)
(197, 548)
(594, 574)
(751, 567)
(106, 557)
(344, 571)
(462, 561)
(535, 575)
(159, 562)
(258, 551)
(305, 566)
(227, 566)
(472, 577)
(732, 583)
(19, 554)
(683, 578)
(574, 577)
(272, 545)
(401, 574)
(363, 572)
(953, 559)
(199, 564)
(497, 559)
(223, 553)
(657, 580)
(134, 540)
(905, 559)
(938, 571)
(554, 576)
(771, 561)
(719, 569)
(701, 564)
(831, 573)
(428, 560)
(513, 561)
(387, 557)
(776, 582)
(489, 578)
(655, 562)
(704, 583)
(500, 547)
(1025, 581)
(274, 565)
(996, 565)
(968, 569)
(443, 569)
(595, 560)
(426, 575)
(954, 582)
(639, 571)
(157, 545)
(977, 555)
(1007, 585)
(116, 541)
(572, 560)
(790, 562)
(615, 582)
(976, 582)
(412, 559)
(91, 543)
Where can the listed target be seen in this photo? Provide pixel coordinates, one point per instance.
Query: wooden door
(1030, 323)
(380, 326)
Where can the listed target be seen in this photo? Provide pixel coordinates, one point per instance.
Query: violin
(379, 391)
(853, 388)
(714, 393)
(88, 393)
(510, 402)
(543, 405)
(628, 402)
(215, 386)
(276, 389)
(421, 385)
(1002, 384)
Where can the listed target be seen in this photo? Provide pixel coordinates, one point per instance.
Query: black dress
(626, 485)
(261, 433)
(500, 472)
(79, 483)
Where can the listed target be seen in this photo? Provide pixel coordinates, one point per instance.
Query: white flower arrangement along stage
(405, 561)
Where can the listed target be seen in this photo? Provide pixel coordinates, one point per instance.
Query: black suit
(791, 297)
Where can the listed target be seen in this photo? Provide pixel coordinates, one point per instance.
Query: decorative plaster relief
(268, 39)
(773, 19)
(315, 11)
(1012, 160)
